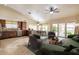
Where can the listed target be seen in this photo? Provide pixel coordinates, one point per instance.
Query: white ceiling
(39, 10)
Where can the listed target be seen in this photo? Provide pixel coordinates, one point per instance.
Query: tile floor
(15, 46)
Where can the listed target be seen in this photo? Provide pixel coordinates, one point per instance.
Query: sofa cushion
(53, 47)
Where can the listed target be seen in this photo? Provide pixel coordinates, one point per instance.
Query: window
(62, 30)
(70, 28)
(39, 27)
(44, 27)
(34, 27)
(11, 24)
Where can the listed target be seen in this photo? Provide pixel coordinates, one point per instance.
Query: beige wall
(9, 14)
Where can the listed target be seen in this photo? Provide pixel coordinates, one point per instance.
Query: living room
(16, 20)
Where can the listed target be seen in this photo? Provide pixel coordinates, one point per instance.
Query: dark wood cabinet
(0, 34)
(2, 23)
(9, 34)
(22, 25)
(25, 32)
(4, 34)
(19, 25)
(12, 34)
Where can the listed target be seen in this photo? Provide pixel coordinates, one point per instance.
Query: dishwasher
(19, 33)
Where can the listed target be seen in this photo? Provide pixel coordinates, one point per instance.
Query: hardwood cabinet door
(22, 25)
(2, 22)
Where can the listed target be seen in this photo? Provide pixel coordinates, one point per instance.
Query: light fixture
(51, 12)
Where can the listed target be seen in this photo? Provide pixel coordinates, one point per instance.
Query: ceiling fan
(52, 10)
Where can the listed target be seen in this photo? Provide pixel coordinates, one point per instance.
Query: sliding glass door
(55, 29)
(62, 30)
(44, 28)
(70, 28)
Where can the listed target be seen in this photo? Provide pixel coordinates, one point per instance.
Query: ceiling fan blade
(46, 12)
(55, 9)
